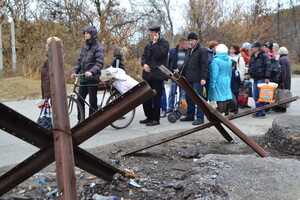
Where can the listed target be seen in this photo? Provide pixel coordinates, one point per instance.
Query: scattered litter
(92, 184)
(130, 192)
(42, 180)
(170, 185)
(100, 197)
(116, 151)
(143, 179)
(132, 175)
(22, 191)
(145, 190)
(51, 193)
(133, 183)
(49, 188)
(91, 177)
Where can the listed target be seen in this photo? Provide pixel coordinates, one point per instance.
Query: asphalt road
(14, 150)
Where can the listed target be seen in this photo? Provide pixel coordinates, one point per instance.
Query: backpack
(276, 70)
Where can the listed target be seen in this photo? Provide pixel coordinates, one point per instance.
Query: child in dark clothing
(235, 86)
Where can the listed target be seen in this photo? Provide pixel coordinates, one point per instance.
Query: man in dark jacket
(176, 60)
(155, 54)
(195, 70)
(89, 63)
(260, 70)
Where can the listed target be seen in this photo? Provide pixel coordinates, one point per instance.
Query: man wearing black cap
(195, 70)
(260, 70)
(155, 54)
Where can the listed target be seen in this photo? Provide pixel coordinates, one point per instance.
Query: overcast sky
(179, 6)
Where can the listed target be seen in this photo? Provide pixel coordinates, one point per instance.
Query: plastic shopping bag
(266, 93)
(45, 118)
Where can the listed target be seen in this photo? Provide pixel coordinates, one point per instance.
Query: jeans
(256, 95)
(172, 93)
(163, 104)
(191, 105)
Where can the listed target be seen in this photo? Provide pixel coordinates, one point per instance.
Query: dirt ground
(202, 166)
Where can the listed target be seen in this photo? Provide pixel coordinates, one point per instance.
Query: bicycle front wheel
(126, 119)
(75, 110)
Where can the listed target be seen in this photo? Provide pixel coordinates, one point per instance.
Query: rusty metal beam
(40, 137)
(213, 114)
(134, 97)
(113, 111)
(204, 126)
(63, 144)
(26, 169)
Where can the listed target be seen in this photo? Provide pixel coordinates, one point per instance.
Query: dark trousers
(152, 106)
(92, 92)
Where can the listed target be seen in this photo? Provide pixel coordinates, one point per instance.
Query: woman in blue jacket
(220, 78)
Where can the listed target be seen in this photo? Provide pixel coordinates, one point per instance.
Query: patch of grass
(296, 68)
(19, 88)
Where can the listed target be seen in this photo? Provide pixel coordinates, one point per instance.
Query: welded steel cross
(212, 114)
(52, 143)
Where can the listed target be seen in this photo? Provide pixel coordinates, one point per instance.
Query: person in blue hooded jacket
(220, 78)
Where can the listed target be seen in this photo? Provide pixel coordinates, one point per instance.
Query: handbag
(45, 118)
(282, 94)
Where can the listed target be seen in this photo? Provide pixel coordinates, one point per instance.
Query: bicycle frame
(101, 87)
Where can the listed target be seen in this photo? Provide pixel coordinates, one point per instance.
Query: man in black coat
(89, 63)
(260, 70)
(195, 70)
(155, 54)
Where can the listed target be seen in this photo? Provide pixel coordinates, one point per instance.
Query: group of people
(221, 71)
(215, 73)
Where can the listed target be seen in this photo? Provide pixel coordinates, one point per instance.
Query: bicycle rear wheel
(75, 110)
(126, 119)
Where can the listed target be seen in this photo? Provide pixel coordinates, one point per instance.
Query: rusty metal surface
(204, 126)
(26, 169)
(63, 144)
(201, 103)
(38, 136)
(27, 130)
(213, 114)
(111, 112)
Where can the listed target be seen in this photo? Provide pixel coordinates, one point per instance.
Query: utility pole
(13, 45)
(1, 50)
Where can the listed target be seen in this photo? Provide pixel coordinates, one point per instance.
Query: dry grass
(295, 68)
(19, 88)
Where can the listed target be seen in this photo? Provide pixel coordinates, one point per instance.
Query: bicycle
(77, 114)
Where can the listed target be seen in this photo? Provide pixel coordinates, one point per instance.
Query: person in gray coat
(285, 74)
(89, 63)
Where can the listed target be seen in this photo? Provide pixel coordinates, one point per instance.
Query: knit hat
(275, 46)
(256, 44)
(221, 48)
(247, 46)
(269, 45)
(192, 36)
(283, 51)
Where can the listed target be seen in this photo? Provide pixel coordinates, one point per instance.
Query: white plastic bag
(124, 85)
